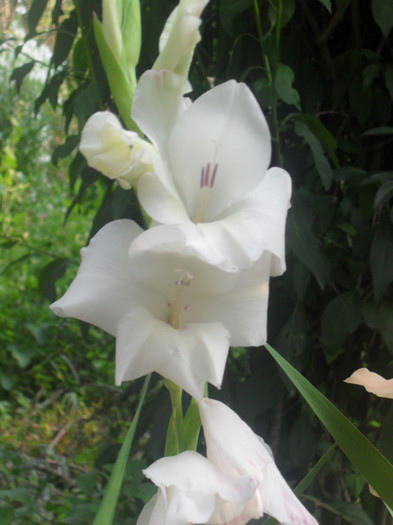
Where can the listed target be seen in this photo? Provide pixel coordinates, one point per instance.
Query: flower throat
(205, 186)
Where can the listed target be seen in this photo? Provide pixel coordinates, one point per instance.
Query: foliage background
(323, 73)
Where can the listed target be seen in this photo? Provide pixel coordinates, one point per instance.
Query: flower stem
(175, 434)
(270, 66)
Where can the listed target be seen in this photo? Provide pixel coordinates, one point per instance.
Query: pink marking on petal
(213, 175)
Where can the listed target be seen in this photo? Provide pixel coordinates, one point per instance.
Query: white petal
(157, 104)
(114, 151)
(234, 448)
(372, 382)
(223, 127)
(102, 290)
(243, 310)
(153, 511)
(257, 223)
(160, 199)
(200, 357)
(196, 492)
(189, 356)
(237, 300)
(180, 246)
(280, 502)
(180, 36)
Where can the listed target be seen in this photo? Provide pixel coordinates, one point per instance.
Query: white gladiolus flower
(192, 490)
(372, 382)
(179, 37)
(236, 450)
(212, 175)
(170, 311)
(115, 152)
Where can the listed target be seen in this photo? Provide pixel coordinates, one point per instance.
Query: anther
(213, 175)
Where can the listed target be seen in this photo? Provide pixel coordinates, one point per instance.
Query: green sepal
(131, 32)
(122, 86)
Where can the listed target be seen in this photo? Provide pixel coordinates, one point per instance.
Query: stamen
(178, 303)
(207, 181)
(213, 175)
(207, 174)
(202, 183)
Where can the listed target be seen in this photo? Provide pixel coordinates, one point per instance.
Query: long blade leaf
(358, 449)
(106, 510)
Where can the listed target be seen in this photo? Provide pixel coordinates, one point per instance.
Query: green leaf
(321, 163)
(381, 319)
(364, 456)
(106, 511)
(63, 150)
(19, 74)
(301, 279)
(48, 276)
(64, 39)
(327, 4)
(341, 318)
(34, 14)
(229, 9)
(287, 10)
(85, 104)
(7, 381)
(384, 193)
(326, 139)
(382, 130)
(382, 11)
(381, 259)
(283, 84)
(385, 442)
(389, 79)
(302, 442)
(23, 356)
(361, 100)
(351, 512)
(304, 243)
(370, 73)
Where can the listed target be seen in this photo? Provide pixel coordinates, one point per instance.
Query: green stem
(278, 30)
(269, 73)
(176, 396)
(175, 435)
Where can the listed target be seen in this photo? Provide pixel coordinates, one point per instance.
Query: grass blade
(106, 510)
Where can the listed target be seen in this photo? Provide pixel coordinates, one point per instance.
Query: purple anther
(207, 174)
(213, 175)
(202, 183)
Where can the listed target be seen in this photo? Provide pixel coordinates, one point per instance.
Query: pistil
(178, 304)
